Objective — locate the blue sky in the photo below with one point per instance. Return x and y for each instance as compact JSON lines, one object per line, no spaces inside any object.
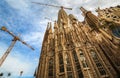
{"x":28,"y":19}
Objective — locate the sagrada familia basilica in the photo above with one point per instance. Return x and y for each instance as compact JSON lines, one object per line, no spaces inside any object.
{"x":87,"y":49}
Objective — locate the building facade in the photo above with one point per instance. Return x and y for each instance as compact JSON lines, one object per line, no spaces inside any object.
{"x":77,"y":49}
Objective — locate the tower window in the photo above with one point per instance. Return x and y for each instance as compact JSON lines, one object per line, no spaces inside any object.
{"x":50,"y":68}
{"x":60,"y":59}
{"x":75,"y":57}
{"x":68,"y":66}
{"x":50,"y":73}
{"x":85,"y":65}
{"x":77,"y":65}
{"x":62,"y":68}
{"x":83,"y":59}
{"x":61,"y":63}
{"x":80,"y":74}
{"x":70,"y":75}
{"x":102,"y":72}
{"x":98,"y":63}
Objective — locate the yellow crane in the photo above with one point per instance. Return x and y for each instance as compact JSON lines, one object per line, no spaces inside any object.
{"x":52,"y":5}
{"x":15,"y":38}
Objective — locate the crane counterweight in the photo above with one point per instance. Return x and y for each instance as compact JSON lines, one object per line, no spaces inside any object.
{"x":3,"y":28}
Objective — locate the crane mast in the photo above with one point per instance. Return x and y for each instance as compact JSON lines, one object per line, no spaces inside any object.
{"x":2,"y":59}
{"x":15,"y":39}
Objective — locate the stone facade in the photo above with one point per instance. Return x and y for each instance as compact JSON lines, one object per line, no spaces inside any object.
{"x":112,"y":13}
{"x":77,"y":49}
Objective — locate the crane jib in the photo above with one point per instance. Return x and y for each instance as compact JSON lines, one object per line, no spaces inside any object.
{"x":16,"y":38}
{"x":52,"y":5}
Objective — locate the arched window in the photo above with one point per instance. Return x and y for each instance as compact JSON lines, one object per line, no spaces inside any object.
{"x":51,"y":68}
{"x":83,"y":59}
{"x":98,"y":62}
{"x":77,"y":64}
{"x":61,"y":63}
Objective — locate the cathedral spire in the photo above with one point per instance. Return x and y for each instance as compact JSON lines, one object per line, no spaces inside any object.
{"x":47,"y":26}
{"x":62,"y":17}
{"x":98,"y":9}
{"x":83,"y":10}
{"x":50,"y":27}
{"x":46,"y":33}
{"x":72,"y":18}
{"x":55,"y":25}
{"x":90,"y":18}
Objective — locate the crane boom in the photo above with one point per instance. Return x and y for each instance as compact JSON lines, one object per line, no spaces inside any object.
{"x":26,"y":44}
{"x":46,"y":4}
{"x":49,"y":19}
{"x":16,"y":38}
{"x":5,"y":29}
{"x":52,"y":5}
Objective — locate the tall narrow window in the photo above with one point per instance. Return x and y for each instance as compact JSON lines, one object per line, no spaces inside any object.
{"x":68,"y":66}
{"x":77,"y":65}
{"x":98,"y":63}
{"x":61,"y":63}
{"x":83,"y":59}
{"x":51,"y":69}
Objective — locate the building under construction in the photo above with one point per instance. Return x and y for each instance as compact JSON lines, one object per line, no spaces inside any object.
{"x":88,"y":49}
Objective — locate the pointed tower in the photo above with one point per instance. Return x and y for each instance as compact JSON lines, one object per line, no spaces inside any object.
{"x":71,"y":50}
{"x":104,"y":42}
{"x":90,"y":18}
{"x":62,"y":17}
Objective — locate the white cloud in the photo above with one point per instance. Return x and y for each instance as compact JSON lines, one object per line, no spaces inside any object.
{"x":87,"y":4}
{"x":35,"y":38}
{"x":18,"y":4}
{"x":15,"y":64}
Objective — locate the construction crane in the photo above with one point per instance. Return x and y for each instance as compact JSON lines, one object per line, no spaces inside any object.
{"x":49,"y":19}
{"x":52,"y":5}
{"x":15,"y":38}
